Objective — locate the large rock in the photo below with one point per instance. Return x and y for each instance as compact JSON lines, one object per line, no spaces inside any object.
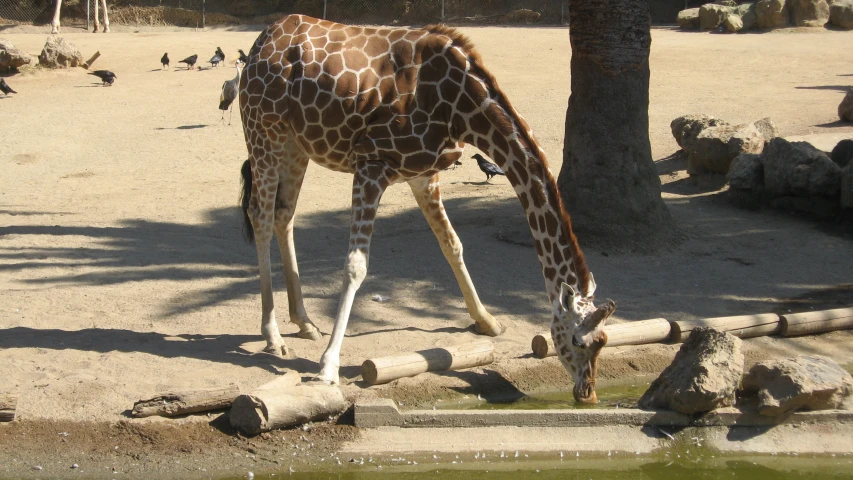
{"x":767,"y":128}
{"x":685,"y":129}
{"x":847,"y":186}
{"x":712,"y":15}
{"x":842,"y":153}
{"x":799,"y":169}
{"x":10,"y":57}
{"x":746,"y":172}
{"x":841,"y":14}
{"x":733,"y":23}
{"x":809,"y":382}
{"x":688,"y":18}
{"x":59,"y":53}
{"x":771,"y":13}
{"x":747,"y":15}
{"x":809,"y":13}
{"x":715,"y":147}
{"x":704,"y":375}
{"x":845,"y":108}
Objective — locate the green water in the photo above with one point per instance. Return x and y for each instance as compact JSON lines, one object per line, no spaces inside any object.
{"x":738,"y":468}
{"x":625,"y":396}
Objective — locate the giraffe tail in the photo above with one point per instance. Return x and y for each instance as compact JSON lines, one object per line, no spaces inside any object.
{"x":245,"y":198}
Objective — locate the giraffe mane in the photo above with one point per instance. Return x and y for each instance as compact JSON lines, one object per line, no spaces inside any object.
{"x":505,"y":124}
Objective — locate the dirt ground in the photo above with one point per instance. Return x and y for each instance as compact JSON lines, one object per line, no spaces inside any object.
{"x":124,"y":272}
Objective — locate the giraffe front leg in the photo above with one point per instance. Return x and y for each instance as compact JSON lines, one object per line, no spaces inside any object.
{"x":296,"y":304}
{"x":369,"y":184}
{"x":428,"y":196}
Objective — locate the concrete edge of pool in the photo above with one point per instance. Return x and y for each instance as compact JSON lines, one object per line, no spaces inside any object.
{"x":386,"y":429}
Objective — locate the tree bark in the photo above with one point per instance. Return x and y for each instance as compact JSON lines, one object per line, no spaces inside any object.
{"x":608,"y":180}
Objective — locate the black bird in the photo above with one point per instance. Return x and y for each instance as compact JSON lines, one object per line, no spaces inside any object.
{"x":5,"y":88}
{"x":220,"y":53}
{"x":487,"y":167}
{"x":190,"y":61}
{"x":243,"y":57}
{"x":214,"y":60}
{"x":165,"y":60}
{"x":106,"y":76}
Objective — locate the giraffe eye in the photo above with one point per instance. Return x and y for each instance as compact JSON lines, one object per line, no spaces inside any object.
{"x":576,"y":343}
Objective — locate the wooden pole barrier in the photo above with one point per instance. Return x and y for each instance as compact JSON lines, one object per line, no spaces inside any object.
{"x":90,"y":61}
{"x":816,"y":322}
{"x":284,"y":402}
{"x":170,"y":404}
{"x":630,"y":333}
{"x":743,"y":326}
{"x":384,"y":369}
{"x":8,"y":406}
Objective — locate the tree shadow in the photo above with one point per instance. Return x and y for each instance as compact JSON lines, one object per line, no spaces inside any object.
{"x":182,"y":127}
{"x":839,"y":88}
{"x":835,"y":124}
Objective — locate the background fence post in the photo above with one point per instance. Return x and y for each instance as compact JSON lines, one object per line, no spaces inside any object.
{"x":324,"y":9}
{"x":442,"y":11}
{"x":88,"y":14}
{"x":203,"y":12}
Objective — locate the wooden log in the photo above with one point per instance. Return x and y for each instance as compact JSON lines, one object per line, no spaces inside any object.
{"x":816,"y":322}
{"x":170,"y":404}
{"x":743,"y":326}
{"x":630,"y":333}
{"x":8,"y":406}
{"x":88,"y":63}
{"x":384,"y":369}
{"x":284,"y":402}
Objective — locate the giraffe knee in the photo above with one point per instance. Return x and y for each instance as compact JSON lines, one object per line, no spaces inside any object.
{"x":356,"y":267}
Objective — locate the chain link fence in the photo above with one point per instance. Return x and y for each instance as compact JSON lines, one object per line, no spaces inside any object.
{"x":206,"y":13}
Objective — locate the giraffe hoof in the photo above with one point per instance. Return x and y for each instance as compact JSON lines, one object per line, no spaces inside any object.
{"x":310,"y":333}
{"x":490,"y":330}
{"x":277,"y":350}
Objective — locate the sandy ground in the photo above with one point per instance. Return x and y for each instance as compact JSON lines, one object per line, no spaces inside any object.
{"x":124,"y":272}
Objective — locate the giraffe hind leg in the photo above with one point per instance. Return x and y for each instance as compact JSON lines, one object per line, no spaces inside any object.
{"x":292,"y":169}
{"x":260,"y":211}
{"x":428,"y":196}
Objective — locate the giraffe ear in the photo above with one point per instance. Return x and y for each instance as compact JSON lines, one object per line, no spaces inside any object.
{"x":590,"y":286}
{"x":567,"y":296}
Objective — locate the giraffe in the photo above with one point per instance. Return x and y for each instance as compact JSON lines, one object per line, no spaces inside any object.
{"x":54,"y":24}
{"x":389,"y":106}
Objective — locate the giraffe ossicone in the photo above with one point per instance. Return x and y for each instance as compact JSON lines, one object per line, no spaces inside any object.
{"x":395,"y":105}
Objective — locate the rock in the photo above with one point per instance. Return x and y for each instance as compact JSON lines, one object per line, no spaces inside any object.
{"x":10,"y":57}
{"x":58,"y":53}
{"x":799,"y":169}
{"x":809,"y":13}
{"x":712,"y":15}
{"x":686,"y":128}
{"x":842,"y":153}
{"x":688,"y":18}
{"x":845,"y":108}
{"x":715,"y":147}
{"x":810,"y":382}
{"x":847,"y":186}
{"x":704,"y":375}
{"x":771,"y":13}
{"x":750,"y":20}
{"x":841,"y":14}
{"x":746,"y":172}
{"x":733,"y":23}
{"x":767,"y":128}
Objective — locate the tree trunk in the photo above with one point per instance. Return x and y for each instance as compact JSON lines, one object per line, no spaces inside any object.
{"x":608,"y":181}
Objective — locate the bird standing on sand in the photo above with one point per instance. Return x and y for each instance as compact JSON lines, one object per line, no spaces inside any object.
{"x":215,"y":59}
{"x":106,"y":76}
{"x":243,"y":57}
{"x":190,"y":61}
{"x":165,"y":60}
{"x":220,"y":53}
{"x":229,"y":94}
{"x":5,"y":88}
{"x":487,"y":167}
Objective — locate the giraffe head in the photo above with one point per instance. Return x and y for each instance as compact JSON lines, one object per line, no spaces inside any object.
{"x":585,"y":323}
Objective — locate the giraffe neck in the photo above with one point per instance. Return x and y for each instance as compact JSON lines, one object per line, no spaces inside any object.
{"x":509,"y":142}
